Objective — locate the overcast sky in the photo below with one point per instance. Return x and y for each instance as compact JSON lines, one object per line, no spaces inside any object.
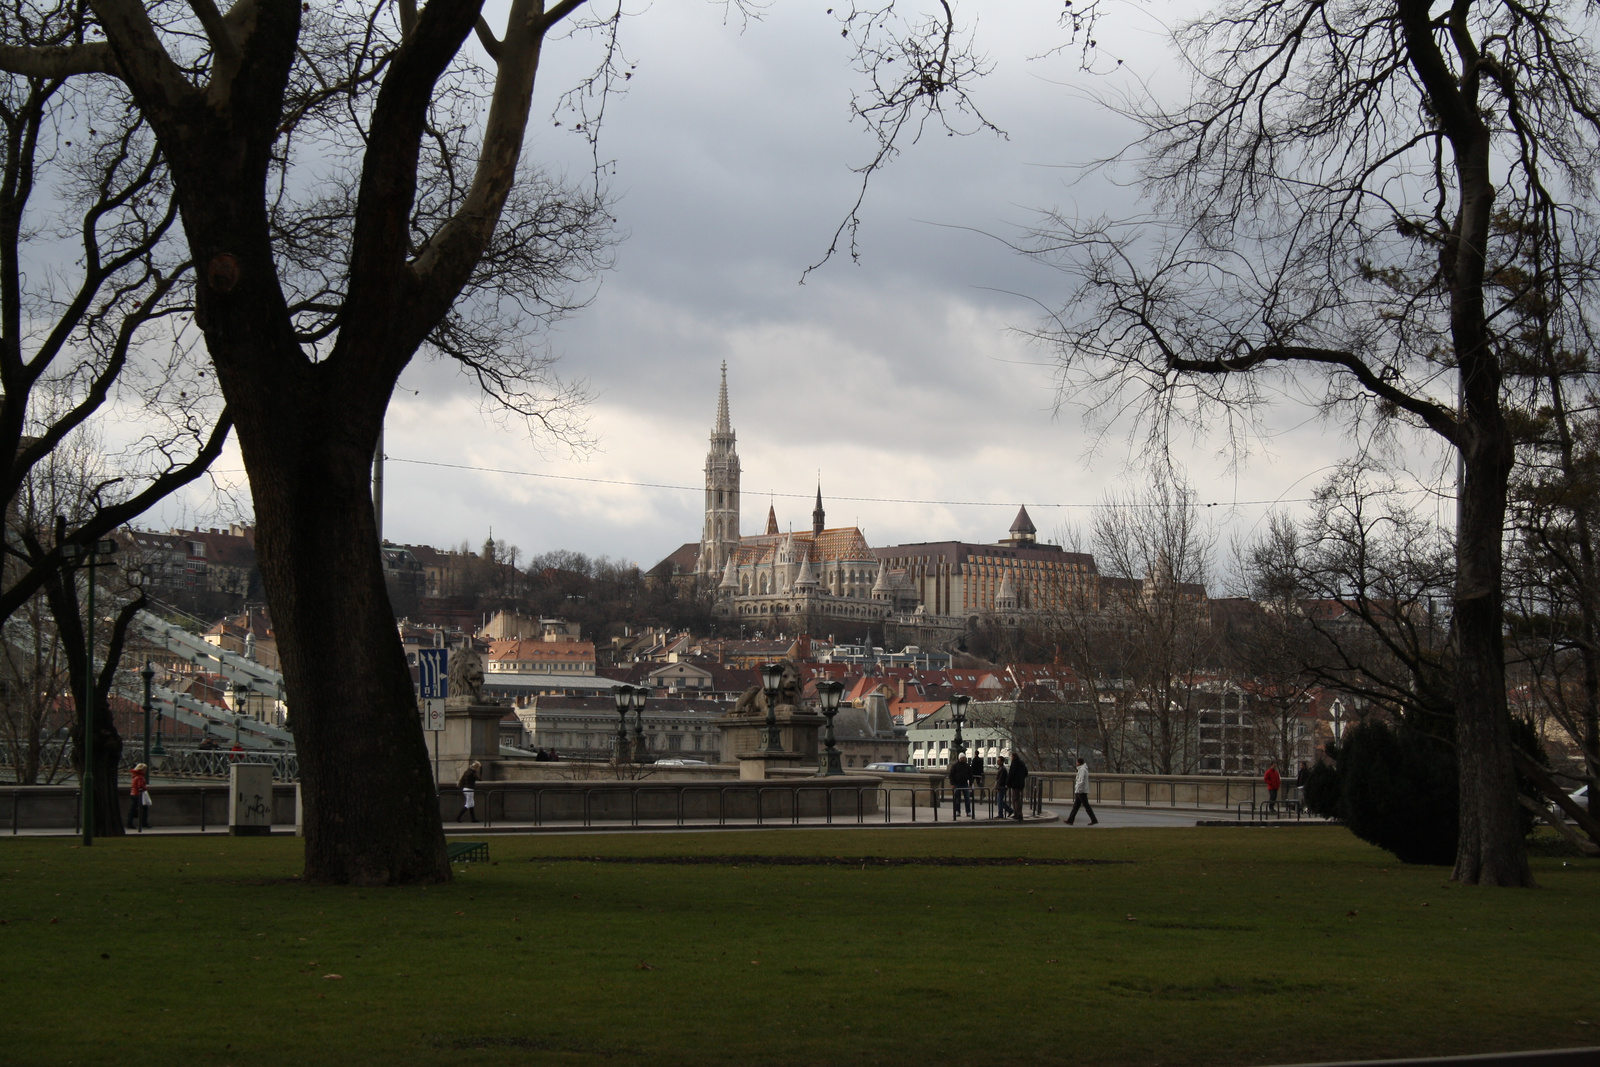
{"x":904,"y":377}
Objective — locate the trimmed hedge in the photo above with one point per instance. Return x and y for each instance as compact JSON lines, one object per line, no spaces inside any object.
{"x":1394,"y":787}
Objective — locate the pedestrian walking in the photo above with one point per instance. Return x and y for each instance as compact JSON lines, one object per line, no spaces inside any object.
{"x":1016,"y":779}
{"x":469,"y":791}
{"x":139,"y":809}
{"x":961,"y":787}
{"x":1274,"y":781}
{"x":977,"y":772}
{"x":1080,"y":794}
{"x":1001,"y":793}
{"x":1302,"y":776}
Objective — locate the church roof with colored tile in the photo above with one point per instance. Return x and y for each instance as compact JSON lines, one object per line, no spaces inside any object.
{"x":841,"y":544}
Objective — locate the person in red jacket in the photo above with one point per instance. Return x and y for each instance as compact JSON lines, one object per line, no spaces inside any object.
{"x":1274,"y":781}
{"x":139,"y":810}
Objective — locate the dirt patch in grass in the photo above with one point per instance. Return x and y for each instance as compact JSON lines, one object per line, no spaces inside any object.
{"x":480,"y":1042}
{"x":1220,"y":988}
{"x":836,"y":861}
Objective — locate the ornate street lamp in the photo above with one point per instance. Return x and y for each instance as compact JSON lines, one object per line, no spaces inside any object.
{"x":159,"y":749}
{"x":771,"y":684}
{"x":148,"y":674}
{"x":828,"y":696}
{"x":958,"y":715}
{"x":623,"y":695}
{"x":640,"y":749}
{"x":90,"y":555}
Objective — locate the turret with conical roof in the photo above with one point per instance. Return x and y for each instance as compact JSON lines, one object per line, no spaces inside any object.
{"x":1022,"y":529}
{"x":807,"y":578}
{"x":880,"y":588}
{"x":1005,"y":598}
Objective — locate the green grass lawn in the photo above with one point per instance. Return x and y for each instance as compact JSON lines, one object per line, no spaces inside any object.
{"x":1202,"y":946}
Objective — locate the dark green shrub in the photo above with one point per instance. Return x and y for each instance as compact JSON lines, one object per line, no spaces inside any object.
{"x":1394,"y":787}
{"x":1322,"y":787}
{"x":1397,"y":787}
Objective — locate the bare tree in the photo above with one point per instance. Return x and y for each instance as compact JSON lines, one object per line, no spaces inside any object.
{"x":34,"y":693}
{"x":1322,"y":211}
{"x":1265,"y":646}
{"x":1138,"y":643}
{"x":315,"y":289}
{"x":1553,"y":570}
{"x":1361,"y":590}
{"x":63,"y":491}
{"x":92,"y":283}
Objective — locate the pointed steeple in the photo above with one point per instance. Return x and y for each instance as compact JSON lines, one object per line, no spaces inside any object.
{"x":720,"y":534}
{"x":1005,"y":599}
{"x":730,"y":575}
{"x":817,"y":514}
{"x":880,"y":588}
{"x":723,"y":425}
{"x":807,"y":578}
{"x":772,"y":520}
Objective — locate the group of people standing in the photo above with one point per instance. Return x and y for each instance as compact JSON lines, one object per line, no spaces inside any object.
{"x":1009,"y":780}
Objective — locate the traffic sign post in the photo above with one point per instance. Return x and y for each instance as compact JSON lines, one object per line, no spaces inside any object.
{"x":433,"y":669}
{"x":433,"y":714}
{"x":433,"y":666}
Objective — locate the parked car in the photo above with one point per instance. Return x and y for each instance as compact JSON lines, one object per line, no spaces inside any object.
{"x":682,"y":763}
{"x":892,"y":768}
{"x":1580,"y":797}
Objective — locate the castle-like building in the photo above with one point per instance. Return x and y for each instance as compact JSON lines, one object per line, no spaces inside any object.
{"x":832,"y":582}
{"x":823,"y":581}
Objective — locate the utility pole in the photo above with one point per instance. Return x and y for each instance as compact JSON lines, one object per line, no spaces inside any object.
{"x":377,"y":484}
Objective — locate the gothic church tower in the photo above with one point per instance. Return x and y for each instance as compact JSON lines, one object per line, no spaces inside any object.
{"x":720,"y":537}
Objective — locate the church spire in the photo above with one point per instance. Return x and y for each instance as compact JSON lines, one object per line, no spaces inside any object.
{"x":723,"y":425}
{"x":772,"y":520}
{"x":817,"y":513}
{"x":720,"y":536}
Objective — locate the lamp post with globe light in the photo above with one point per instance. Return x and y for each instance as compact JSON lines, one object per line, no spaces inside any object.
{"x":771,"y":685}
{"x":623,"y":695}
{"x":828,"y":696}
{"x":641,"y":749}
{"x":958,"y":715}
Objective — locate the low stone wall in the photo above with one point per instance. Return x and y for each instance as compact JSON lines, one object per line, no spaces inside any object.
{"x":56,"y":807}
{"x":1163,"y":790}
{"x":651,"y":801}
{"x":524,"y":770}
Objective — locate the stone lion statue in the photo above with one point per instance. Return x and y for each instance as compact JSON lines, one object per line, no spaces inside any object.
{"x":754,"y":701}
{"x":466,"y":676}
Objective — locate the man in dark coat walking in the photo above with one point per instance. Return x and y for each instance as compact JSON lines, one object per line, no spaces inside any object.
{"x":1016,"y":778}
{"x":1001,"y":792}
{"x":961,"y":786}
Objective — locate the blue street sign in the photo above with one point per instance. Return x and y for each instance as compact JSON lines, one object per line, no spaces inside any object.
{"x":433,"y":666}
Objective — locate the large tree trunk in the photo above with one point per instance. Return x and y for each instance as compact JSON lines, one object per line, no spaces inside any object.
{"x":107,"y":803}
{"x":370,"y":807}
{"x":307,"y":434}
{"x":1491,"y":850}
{"x":105,"y":806}
{"x":307,"y":431}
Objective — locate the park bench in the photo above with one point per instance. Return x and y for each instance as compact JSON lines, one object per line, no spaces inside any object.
{"x":468,"y":851}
